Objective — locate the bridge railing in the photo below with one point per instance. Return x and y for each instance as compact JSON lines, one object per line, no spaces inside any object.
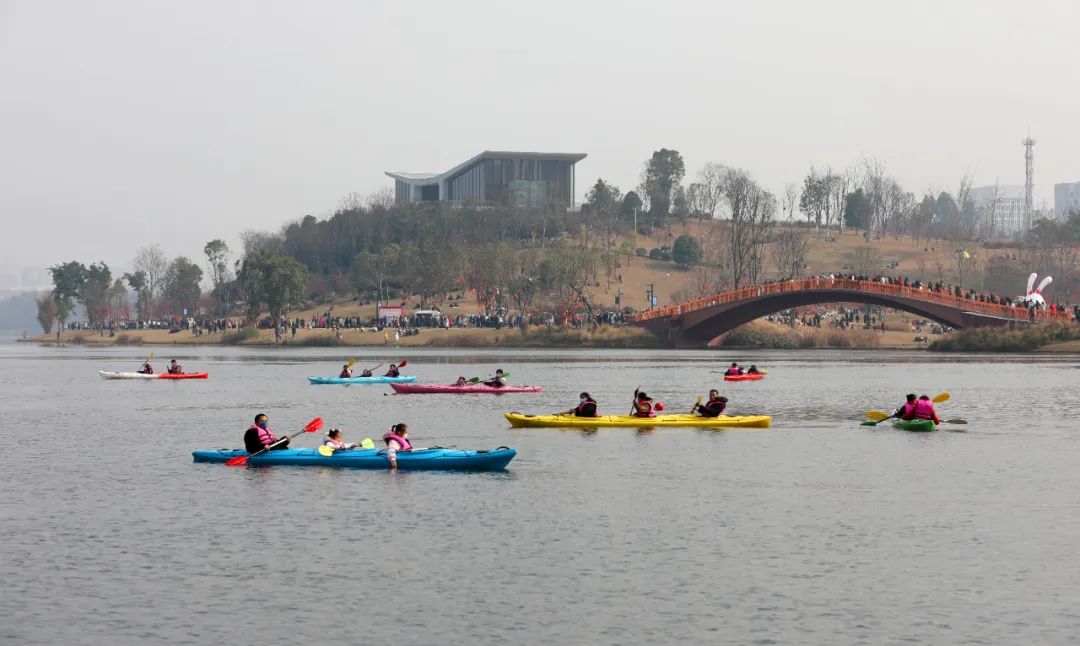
{"x":847,"y":284}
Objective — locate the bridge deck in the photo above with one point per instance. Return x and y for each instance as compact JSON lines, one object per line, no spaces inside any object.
{"x":866,"y":286}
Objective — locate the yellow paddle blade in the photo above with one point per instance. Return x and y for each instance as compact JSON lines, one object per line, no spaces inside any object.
{"x":877,"y":415}
{"x":942,"y":397}
{"x":326,"y":450}
{"x":150,"y":356}
{"x":352,"y":361}
{"x":367,"y":443}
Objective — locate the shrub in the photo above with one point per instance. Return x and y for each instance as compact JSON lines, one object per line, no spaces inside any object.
{"x":240,"y":336}
{"x":1021,"y":337}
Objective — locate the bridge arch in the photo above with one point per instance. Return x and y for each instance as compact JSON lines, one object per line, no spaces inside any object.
{"x":697,"y":322}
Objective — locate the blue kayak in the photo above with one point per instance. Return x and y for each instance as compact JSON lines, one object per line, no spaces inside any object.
{"x":426,"y":459}
{"x":362,"y":380}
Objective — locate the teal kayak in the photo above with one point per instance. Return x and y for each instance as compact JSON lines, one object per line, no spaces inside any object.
{"x":433,"y":459}
{"x":917,"y":425}
{"x":363,"y":380}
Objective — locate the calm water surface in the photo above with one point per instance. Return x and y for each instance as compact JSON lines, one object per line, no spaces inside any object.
{"x":816,"y":531}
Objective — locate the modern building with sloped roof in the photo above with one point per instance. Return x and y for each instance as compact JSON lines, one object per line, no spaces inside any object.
{"x":521,"y":179}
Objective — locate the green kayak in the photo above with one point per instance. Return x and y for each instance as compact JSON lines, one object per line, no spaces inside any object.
{"x":918,"y":425}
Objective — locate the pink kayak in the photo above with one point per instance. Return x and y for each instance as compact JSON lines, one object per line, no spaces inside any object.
{"x":470,"y":389}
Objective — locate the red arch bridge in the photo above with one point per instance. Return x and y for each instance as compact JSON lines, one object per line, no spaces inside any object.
{"x":697,"y":322}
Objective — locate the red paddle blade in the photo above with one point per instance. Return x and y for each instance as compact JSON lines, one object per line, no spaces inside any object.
{"x":313,"y":425}
{"x":238,"y":461}
{"x":404,"y":362}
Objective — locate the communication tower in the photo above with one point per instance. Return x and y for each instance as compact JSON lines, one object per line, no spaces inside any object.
{"x":1029,"y":179}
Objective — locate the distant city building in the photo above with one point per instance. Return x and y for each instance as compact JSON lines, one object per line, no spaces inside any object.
{"x":35,"y":277}
{"x":1008,"y":212}
{"x":1066,"y":199}
{"x":495,"y":177}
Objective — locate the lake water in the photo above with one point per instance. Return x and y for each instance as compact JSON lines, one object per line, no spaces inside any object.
{"x":816,"y":531}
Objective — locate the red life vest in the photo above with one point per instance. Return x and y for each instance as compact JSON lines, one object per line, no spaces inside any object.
{"x":345,"y":374}
{"x":924,"y":409}
{"x":733,"y":371}
{"x":402,"y":442}
{"x":647,"y":413}
{"x":586,"y":408}
{"x":713,"y":408}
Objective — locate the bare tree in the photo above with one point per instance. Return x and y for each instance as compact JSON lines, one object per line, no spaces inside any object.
{"x":813,"y":198}
{"x":836,"y":196}
{"x":752,"y":214}
{"x":865,"y":261}
{"x":874,"y":182}
{"x":965,"y":205}
{"x":382,"y":198}
{"x":988,"y":210}
{"x":152,"y":262}
{"x":789,"y":252}
{"x":351,"y":202}
{"x":710,"y":193}
{"x":791,"y":201}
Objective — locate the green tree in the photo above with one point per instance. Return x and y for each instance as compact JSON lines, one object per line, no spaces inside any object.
{"x":180,"y":289}
{"x":857,"y":210}
{"x":137,"y":282}
{"x":663,"y":173}
{"x":94,"y":293}
{"x":631,"y":204}
{"x":605,"y":202}
{"x":686,"y":251}
{"x":46,"y":312}
{"x":217,"y":259}
{"x":68,"y":280}
{"x":274,"y":280}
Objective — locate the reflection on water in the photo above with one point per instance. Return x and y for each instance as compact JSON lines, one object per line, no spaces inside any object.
{"x":816,"y":531}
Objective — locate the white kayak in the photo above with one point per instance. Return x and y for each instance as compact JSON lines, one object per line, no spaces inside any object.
{"x":160,"y":375}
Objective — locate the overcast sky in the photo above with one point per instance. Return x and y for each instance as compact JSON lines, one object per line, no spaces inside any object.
{"x":134,"y":122}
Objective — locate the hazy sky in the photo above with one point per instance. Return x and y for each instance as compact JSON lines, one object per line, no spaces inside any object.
{"x":126,"y":123}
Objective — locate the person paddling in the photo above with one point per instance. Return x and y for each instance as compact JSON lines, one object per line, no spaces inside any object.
{"x":393,"y":371}
{"x":175,"y":368}
{"x":335,"y":441}
{"x":586,"y":408}
{"x":907,"y":407}
{"x":643,"y":406}
{"x":712,"y":408}
{"x":923,"y":409}
{"x":734,"y":369}
{"x":346,"y":372}
{"x":396,"y":440}
{"x":461,"y":381}
{"x":753,"y":370}
{"x":498,"y":381}
{"x":146,"y":369}
{"x":259,"y":436}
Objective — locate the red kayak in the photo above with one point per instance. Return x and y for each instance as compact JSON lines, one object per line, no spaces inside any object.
{"x":754,"y":377}
{"x":469,"y":389}
{"x":184,"y":375}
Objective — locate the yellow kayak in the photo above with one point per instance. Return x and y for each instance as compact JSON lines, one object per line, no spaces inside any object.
{"x":724,"y":421}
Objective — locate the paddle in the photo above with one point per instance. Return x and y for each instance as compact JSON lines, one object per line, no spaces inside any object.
{"x":148,"y":358}
{"x":327,"y":451}
{"x":241,"y":460}
{"x":696,"y":405}
{"x":633,"y":404}
{"x":476,"y":380}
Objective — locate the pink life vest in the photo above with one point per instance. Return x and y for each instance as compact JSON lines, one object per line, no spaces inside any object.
{"x":923,"y":409}
{"x":266,"y":436}
{"x":402,"y":442}
{"x":648,"y":413}
{"x":732,"y":371}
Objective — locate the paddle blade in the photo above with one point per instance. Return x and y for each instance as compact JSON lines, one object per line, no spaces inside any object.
{"x":941,"y":397}
{"x":325,"y":451}
{"x":367,"y":443}
{"x":869,"y":423}
{"x":313,"y":425}
{"x":238,"y":461}
{"x":954,"y":421}
{"x":352,"y":361}
{"x":877,"y":415}
{"x":474,"y":380}
{"x":403,"y":363}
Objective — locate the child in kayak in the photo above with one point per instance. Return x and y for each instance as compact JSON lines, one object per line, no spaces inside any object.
{"x":714,"y":407}
{"x":753,"y":370}
{"x":923,"y":409}
{"x":587,"y":407}
{"x":396,"y":440}
{"x":906,"y":408}
{"x":498,"y":381}
{"x":346,"y":372}
{"x":643,"y":406}
{"x":334,"y":441}
{"x":393,"y":371}
{"x":259,"y":436}
{"x":461,"y":381}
